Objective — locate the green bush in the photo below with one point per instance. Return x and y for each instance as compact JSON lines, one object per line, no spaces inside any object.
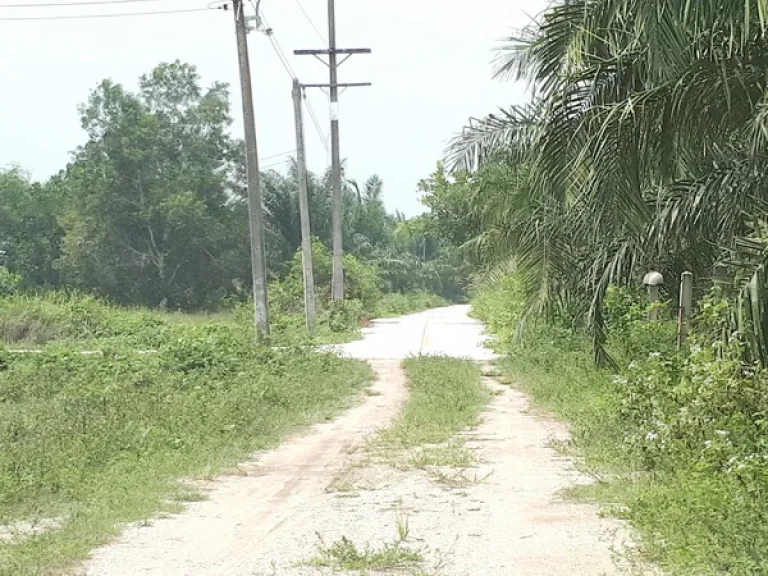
{"x":500,"y":305}
{"x":59,"y":316}
{"x":397,"y":304}
{"x":9,"y":282}
{"x":630,"y":335}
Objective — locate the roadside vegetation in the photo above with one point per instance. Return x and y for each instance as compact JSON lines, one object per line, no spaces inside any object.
{"x":91,"y":441}
{"x":127,"y":356}
{"x":677,"y":438}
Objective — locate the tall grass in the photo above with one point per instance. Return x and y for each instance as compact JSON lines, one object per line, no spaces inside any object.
{"x":446,"y":396}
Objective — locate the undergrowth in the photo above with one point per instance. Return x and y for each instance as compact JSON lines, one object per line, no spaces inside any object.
{"x":446,"y":397}
{"x":397,"y":304}
{"x":97,"y":440}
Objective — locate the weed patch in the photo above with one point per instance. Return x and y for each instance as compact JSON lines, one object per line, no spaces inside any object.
{"x":346,"y":555}
{"x":447,"y":396}
{"x":693,"y":518}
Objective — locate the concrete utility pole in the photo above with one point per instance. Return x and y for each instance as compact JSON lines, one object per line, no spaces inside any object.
{"x":306,"y":233}
{"x":258,"y":259}
{"x":337,"y":288}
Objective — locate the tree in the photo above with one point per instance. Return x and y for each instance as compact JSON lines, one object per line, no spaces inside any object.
{"x":150,"y":218}
{"x":645,"y":146}
{"x":29,"y":233}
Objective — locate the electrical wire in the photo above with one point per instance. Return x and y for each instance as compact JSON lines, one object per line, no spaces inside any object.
{"x":273,"y":165}
{"x":311,"y":22}
{"x":78,"y":3}
{"x":270,"y":33}
{"x":323,"y":137}
{"x":93,"y":16}
{"x":278,"y":155}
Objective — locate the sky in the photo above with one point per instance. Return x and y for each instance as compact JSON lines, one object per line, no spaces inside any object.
{"x":430,"y":66}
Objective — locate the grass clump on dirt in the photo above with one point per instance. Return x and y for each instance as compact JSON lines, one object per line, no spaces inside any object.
{"x":96,"y":440}
{"x":344,"y":554}
{"x":446,"y":397}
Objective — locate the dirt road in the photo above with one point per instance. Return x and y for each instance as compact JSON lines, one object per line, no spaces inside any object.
{"x":503,"y":517}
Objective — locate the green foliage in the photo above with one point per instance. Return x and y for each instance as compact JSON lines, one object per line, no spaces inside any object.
{"x":31,"y":235}
{"x":499,"y":304}
{"x":9,"y":283}
{"x":101,"y":438}
{"x":644,"y":149}
{"x":149,"y":217}
{"x":344,"y":314}
{"x":630,"y":336}
{"x":399,"y":304}
{"x":56,"y":316}
{"x":152,"y":212}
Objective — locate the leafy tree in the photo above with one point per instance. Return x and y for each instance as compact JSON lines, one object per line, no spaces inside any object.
{"x":29,"y":233}
{"x":150,"y":217}
{"x":644,"y":148}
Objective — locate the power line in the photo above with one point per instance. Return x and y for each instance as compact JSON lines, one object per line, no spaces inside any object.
{"x":79,"y":3}
{"x":270,"y":33}
{"x":277,"y":155}
{"x":311,"y":22}
{"x":94,"y":16}
{"x":323,"y":137}
{"x":274,"y":165}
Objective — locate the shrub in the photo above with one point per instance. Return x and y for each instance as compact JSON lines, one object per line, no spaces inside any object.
{"x":500,"y":305}
{"x":9,"y":282}
{"x":397,"y":304}
{"x":630,"y":335}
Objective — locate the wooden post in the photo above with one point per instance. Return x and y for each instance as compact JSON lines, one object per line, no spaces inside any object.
{"x":686,"y":303}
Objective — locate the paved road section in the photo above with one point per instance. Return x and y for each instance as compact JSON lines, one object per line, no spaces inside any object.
{"x":442,"y":331}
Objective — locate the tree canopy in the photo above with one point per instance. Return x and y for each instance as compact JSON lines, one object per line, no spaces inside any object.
{"x":643,"y":148}
{"x":152,"y":208}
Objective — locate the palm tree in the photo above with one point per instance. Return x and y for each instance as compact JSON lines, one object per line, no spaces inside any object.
{"x":645,"y":146}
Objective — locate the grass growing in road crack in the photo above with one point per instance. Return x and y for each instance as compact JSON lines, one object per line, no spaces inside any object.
{"x":446,"y":397}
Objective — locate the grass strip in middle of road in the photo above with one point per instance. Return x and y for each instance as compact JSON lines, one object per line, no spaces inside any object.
{"x":446,"y":397}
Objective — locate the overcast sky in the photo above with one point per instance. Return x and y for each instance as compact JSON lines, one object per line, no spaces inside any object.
{"x":430,"y":68}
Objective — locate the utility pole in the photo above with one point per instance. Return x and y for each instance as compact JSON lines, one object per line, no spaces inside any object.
{"x":337,"y":288}
{"x":306,"y":233}
{"x":258,"y":259}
